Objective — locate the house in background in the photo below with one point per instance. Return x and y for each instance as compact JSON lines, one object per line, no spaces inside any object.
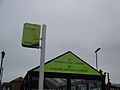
{"x":13,"y":85}
{"x":6,"y":86}
{"x":115,"y":87}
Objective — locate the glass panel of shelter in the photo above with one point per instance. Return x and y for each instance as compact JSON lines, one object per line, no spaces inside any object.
{"x":76,"y":84}
{"x":55,"y":84}
{"x":80,"y":84}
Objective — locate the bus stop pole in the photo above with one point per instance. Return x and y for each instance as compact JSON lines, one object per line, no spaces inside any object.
{"x":42,"y":58}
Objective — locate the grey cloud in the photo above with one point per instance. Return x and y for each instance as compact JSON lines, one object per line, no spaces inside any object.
{"x":77,"y":25}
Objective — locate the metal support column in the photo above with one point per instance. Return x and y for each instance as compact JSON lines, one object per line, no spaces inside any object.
{"x":68,"y":83}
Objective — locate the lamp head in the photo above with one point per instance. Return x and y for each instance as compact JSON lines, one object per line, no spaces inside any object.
{"x":3,"y":54}
{"x":97,"y":50}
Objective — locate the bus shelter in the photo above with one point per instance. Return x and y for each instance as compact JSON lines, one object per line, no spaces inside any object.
{"x":65,"y":72}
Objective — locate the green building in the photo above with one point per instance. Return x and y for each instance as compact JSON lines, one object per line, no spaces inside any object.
{"x":65,"y":72}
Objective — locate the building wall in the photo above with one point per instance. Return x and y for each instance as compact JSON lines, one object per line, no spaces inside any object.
{"x":15,"y":85}
{"x":114,"y":88}
{"x":6,"y":88}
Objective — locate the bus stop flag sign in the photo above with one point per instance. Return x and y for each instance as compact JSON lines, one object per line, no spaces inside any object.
{"x":31,"y":35}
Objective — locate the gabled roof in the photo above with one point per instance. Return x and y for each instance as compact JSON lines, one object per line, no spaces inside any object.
{"x":19,"y":79}
{"x":68,"y":63}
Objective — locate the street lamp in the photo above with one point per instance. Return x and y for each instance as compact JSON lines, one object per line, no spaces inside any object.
{"x":1,"y":68}
{"x":96,"y":57}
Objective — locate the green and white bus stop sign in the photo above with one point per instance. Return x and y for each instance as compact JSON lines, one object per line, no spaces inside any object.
{"x":31,"y":35}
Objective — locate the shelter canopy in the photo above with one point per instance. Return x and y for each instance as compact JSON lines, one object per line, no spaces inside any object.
{"x":69,"y":63}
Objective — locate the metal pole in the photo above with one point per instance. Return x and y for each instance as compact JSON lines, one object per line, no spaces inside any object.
{"x":1,"y":74}
{"x":1,"y":69}
{"x":96,"y":57}
{"x":96,"y":61}
{"x":42,"y":58}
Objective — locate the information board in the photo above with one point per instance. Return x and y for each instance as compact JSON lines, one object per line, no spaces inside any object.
{"x":31,"y":35}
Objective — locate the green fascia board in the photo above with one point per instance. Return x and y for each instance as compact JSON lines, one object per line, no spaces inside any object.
{"x":69,"y":63}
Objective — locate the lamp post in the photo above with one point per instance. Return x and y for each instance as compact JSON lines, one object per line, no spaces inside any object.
{"x":1,"y":68}
{"x":96,"y":57}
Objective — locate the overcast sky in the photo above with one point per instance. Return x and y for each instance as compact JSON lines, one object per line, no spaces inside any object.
{"x":80,"y":26}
